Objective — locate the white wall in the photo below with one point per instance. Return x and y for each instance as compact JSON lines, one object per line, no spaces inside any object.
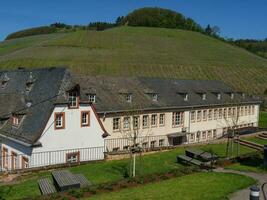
{"x":56,"y":143}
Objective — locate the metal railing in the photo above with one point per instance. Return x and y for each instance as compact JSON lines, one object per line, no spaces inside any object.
{"x":148,"y":142}
{"x":12,"y":161}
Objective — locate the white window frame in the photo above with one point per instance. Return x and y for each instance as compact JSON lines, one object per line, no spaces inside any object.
{"x":73,"y":99}
{"x":162,"y":119}
{"x":116,"y":123}
{"x":92,"y":98}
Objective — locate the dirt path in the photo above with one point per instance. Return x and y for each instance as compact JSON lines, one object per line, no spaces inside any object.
{"x":244,"y":194}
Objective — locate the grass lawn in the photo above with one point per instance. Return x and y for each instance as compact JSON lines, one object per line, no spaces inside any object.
{"x":263,"y":120}
{"x":112,"y":170}
{"x":257,"y":140}
{"x":197,"y":186}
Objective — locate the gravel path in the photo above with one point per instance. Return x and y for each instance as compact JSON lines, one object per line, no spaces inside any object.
{"x":244,"y":194}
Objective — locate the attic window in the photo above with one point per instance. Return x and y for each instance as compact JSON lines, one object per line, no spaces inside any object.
{"x":128,"y":98}
{"x":15,"y":120}
{"x":232,"y":95}
{"x":219,"y":96}
{"x":185,"y":95}
{"x":92,"y":98}
{"x":30,"y":81}
{"x":4,"y":80}
{"x":154,"y":97}
{"x":243,"y":95}
{"x":73,"y":99}
{"x":204,"y":96}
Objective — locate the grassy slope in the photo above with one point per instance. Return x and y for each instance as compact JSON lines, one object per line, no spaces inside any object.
{"x":111,"y":171}
{"x":263,"y":120}
{"x":138,"y":51}
{"x":196,"y":186}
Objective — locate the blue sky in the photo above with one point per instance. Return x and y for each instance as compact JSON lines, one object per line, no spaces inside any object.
{"x":236,"y":18}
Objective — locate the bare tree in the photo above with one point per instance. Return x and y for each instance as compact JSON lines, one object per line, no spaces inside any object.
{"x":135,"y":128}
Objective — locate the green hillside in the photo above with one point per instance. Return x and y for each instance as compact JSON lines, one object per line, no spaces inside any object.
{"x":138,"y":51}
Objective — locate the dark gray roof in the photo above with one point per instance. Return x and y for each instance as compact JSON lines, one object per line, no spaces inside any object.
{"x":110,"y":93}
{"x":49,"y":85}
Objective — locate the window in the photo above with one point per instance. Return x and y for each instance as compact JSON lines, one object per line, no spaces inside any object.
{"x":204,"y":96}
{"x":210,"y":115}
{"x":161,"y":142}
{"x":85,"y":118}
{"x":153,"y":144}
{"x":59,"y":120}
{"x":116,"y":124}
{"x":24,"y":162}
{"x":92,"y":98}
{"x":204,"y":115}
{"x":15,"y":120}
{"x":128,"y":98}
{"x":126,"y":123}
{"x":203,"y":135}
{"x":145,"y":145}
{"x":193,"y":116}
{"x":219,"y":96}
{"x":232,"y":95}
{"x":253,"y":110}
{"x":136,"y":122}
{"x":73,"y":157}
{"x":145,"y":121}
{"x":241,"y":111}
{"x":185,"y":96}
{"x":126,"y":147}
{"x":73,"y":99}
{"x":234,"y":112}
{"x":192,"y":137}
{"x":161,"y":119}
{"x":177,"y":118}
{"x":246,"y":110}
{"x":154,"y":120}
{"x":249,"y":110}
{"x":214,"y":133}
{"x":154,"y":97}
{"x":199,"y":113}
{"x":229,"y":112}
{"x":5,"y":157}
{"x":14,"y":160}
{"x":220,"y":113}
{"x":215,"y":114}
{"x":225,"y":113}
{"x":209,"y":134}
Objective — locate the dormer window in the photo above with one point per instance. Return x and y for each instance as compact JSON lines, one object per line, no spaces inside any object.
{"x":92,"y":98}
{"x":154,"y":97}
{"x":243,"y":95}
{"x":204,"y":96}
{"x":73,"y":99}
{"x":15,"y":120}
{"x":232,"y":95}
{"x":128,"y":98}
{"x":185,"y":95}
{"x":29,"y":83}
{"x":4,"y":80}
{"x":219,"y":96}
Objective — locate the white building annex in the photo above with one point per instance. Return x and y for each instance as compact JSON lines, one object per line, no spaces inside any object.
{"x":53,"y":117}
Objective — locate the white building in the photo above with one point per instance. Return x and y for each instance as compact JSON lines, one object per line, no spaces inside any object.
{"x":43,"y":122}
{"x":49,"y":116}
{"x":166,"y":112}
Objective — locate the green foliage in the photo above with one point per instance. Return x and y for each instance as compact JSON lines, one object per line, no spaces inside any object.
{"x":263,"y":120}
{"x":196,"y":186}
{"x":100,"y":26}
{"x":159,"y":17}
{"x":32,"y":31}
{"x":258,"y":47}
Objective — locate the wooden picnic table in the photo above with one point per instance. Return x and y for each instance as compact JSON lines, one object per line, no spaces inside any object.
{"x":198,"y":153}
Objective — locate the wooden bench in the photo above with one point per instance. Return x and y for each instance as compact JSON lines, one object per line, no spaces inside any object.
{"x":65,"y":180}
{"x":46,"y":187}
{"x":188,"y":160}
